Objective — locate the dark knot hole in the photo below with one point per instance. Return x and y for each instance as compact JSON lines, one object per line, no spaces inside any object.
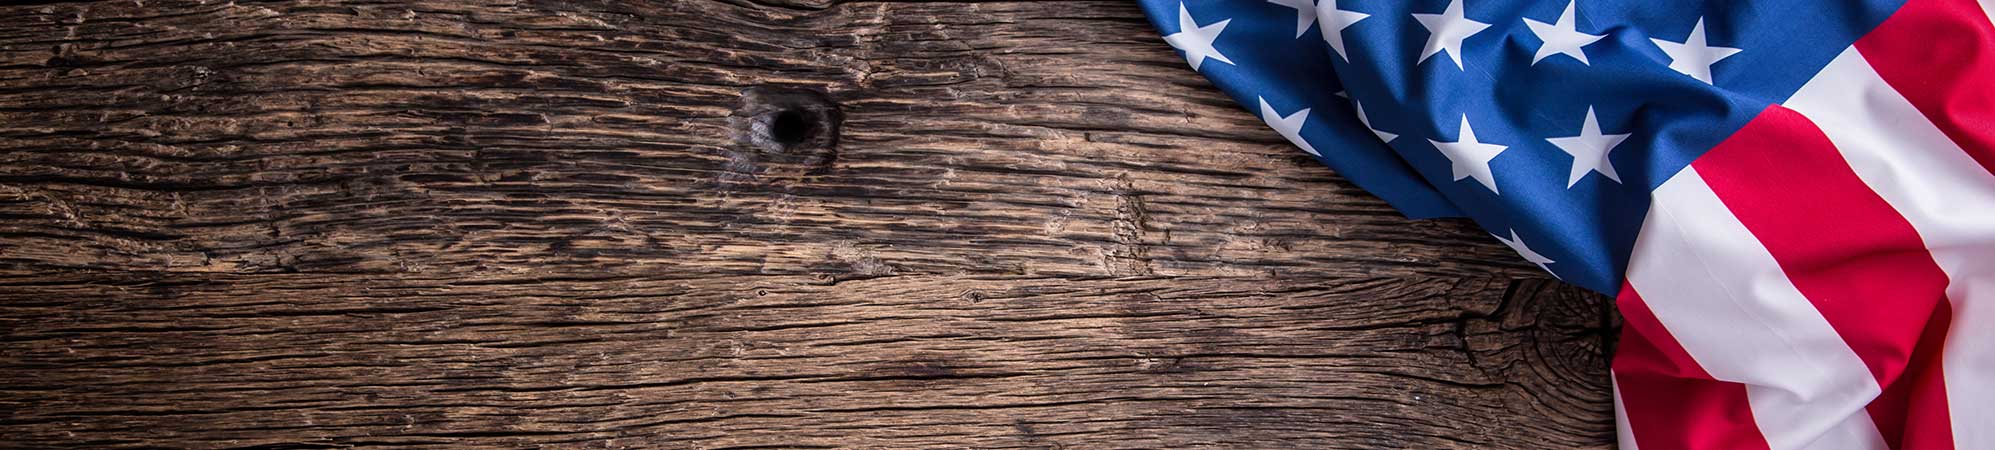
{"x":784,"y":120}
{"x":790,"y":127}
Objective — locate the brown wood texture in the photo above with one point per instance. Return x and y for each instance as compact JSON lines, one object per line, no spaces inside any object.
{"x":236,"y":224}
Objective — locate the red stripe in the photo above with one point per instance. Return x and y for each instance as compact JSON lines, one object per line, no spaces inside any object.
{"x":1927,"y":424}
{"x":1857,"y":260}
{"x":1941,"y":55}
{"x":1672,"y":403}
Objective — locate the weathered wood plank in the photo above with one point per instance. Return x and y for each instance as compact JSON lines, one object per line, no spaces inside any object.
{"x":537,"y":223}
{"x":912,"y":361}
{"x":1021,"y":138}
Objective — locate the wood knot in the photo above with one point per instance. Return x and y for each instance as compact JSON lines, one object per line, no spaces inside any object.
{"x":787,"y":121}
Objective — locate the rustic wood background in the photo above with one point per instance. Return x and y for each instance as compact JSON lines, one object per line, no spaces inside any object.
{"x":526,"y":223}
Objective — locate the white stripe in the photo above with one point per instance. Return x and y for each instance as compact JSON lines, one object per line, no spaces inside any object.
{"x":1948,"y":198}
{"x":1621,"y":431}
{"x":1988,"y":9}
{"x":1724,"y":297}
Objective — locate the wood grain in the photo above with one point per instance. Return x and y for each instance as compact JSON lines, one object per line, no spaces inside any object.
{"x":911,"y":361}
{"x":305,"y":224}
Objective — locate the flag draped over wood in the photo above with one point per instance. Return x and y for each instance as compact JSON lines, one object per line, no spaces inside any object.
{"x":1792,"y":200}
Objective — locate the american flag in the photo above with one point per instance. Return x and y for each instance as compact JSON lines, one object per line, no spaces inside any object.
{"x":1793,"y":201}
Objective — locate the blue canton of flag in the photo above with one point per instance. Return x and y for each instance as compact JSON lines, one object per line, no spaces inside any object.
{"x":1547,"y":123}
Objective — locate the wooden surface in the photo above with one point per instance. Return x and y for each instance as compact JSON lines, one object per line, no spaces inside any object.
{"x":322,"y":225}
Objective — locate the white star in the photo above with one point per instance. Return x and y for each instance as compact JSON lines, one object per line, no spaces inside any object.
{"x":1446,"y":32}
{"x":1290,"y":127}
{"x":1382,"y":136}
{"x":1470,"y":157}
{"x":1334,"y":22}
{"x":1196,"y":41}
{"x":1694,"y":56}
{"x":1524,"y":250}
{"x":1305,"y":13}
{"x":1589,"y":150}
{"x":1562,"y":38}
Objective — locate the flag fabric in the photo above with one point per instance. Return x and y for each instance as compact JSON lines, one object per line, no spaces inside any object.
{"x":1792,"y":201}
